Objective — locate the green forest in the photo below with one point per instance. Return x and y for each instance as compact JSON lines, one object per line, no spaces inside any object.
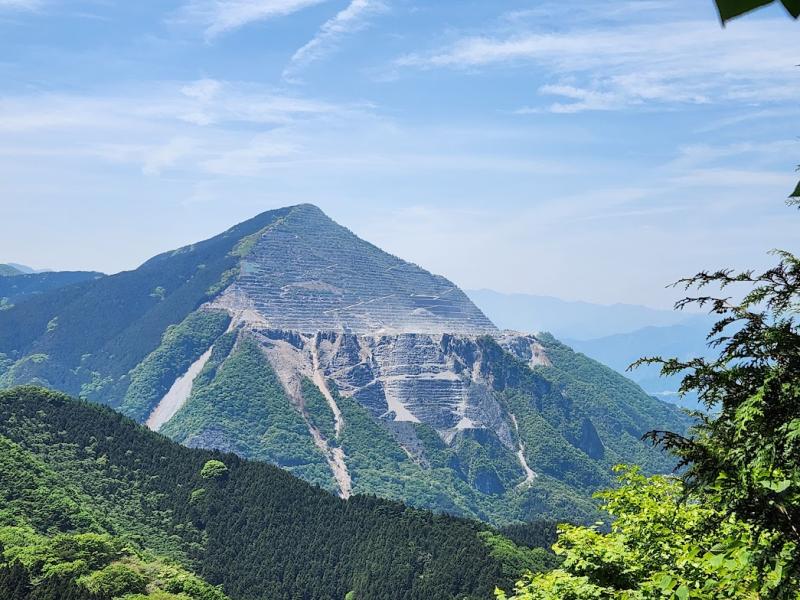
{"x":95,"y":506}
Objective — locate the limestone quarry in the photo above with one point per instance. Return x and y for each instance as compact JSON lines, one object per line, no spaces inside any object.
{"x":399,"y":340}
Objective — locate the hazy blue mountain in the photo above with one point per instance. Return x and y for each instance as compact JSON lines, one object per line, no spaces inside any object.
{"x":17,"y":286}
{"x":288,"y":339}
{"x":684,"y":341}
{"x":571,"y":320}
{"x":27,"y":269}
{"x":9,"y":270}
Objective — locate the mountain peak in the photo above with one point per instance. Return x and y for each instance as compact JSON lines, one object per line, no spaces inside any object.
{"x":7,"y":270}
{"x":304,"y":272}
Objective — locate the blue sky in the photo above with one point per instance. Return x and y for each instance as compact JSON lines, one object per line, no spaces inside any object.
{"x":590,"y":149}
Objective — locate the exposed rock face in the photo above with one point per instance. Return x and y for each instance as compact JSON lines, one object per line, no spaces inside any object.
{"x":417,"y":378}
{"x":398,"y":384}
{"x":306,"y":273}
{"x":396,"y":338}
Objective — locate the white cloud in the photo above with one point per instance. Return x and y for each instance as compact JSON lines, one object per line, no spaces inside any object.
{"x":641,"y":64}
{"x":201,"y":103}
{"x":210,"y":126}
{"x":719,"y":178}
{"x":202,"y":89}
{"x":253,"y":159}
{"x":221,"y":16}
{"x":349,"y":20}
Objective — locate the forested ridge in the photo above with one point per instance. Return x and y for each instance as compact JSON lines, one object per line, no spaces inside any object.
{"x":71,"y":468}
{"x":17,"y":287}
{"x":84,"y":339}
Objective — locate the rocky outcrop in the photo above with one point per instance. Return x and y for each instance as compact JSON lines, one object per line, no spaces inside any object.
{"x":419,"y":378}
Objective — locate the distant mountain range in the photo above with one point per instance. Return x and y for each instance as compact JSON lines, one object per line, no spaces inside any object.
{"x":615,"y":335}
{"x":18,"y":282}
{"x":290,"y":340}
{"x":24,"y":268}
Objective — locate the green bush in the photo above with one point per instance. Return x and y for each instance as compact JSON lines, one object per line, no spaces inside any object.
{"x":117,"y":579}
{"x":213,"y":469}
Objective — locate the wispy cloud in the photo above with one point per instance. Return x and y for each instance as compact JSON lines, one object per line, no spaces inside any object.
{"x":221,"y":16}
{"x":205,"y":102}
{"x":20,"y":4}
{"x":210,"y":126}
{"x":641,"y":64}
{"x":349,"y":20}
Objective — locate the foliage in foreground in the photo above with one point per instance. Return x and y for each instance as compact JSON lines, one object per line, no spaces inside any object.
{"x":730,"y":527}
{"x":68,"y":467}
{"x":662,"y":546}
{"x":729,"y":9}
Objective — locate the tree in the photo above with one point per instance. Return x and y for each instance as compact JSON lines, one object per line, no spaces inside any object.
{"x":660,"y":546}
{"x":730,"y":526}
{"x":747,"y":455}
{"x":213,"y":469}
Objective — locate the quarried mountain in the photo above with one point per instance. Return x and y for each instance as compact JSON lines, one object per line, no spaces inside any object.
{"x":289,"y":339}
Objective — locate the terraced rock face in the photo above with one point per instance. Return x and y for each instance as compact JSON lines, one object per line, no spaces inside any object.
{"x":306,"y":273}
{"x":406,"y":389}
{"x":400,"y":341}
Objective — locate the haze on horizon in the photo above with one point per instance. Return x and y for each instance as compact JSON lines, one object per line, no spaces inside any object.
{"x":555,"y":148}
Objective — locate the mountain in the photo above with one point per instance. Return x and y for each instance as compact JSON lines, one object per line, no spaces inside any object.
{"x":9,"y":271}
{"x":615,"y":335}
{"x":94,"y":507}
{"x":290,"y":340}
{"x":619,"y":351}
{"x":25,"y":268}
{"x":17,"y":285}
{"x":573,"y":320}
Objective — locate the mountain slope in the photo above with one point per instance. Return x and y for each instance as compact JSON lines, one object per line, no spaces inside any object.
{"x":9,"y":271}
{"x":619,"y":351}
{"x":73,"y":467}
{"x":18,"y":287}
{"x":87,"y":337}
{"x":289,"y":339}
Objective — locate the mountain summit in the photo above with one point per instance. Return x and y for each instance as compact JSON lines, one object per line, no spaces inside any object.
{"x":307,"y":273}
{"x":290,"y":340}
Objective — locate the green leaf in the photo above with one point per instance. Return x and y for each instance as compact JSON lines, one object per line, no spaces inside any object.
{"x":666,"y":583}
{"x":728,"y":9}
{"x":777,"y":486}
{"x":682,"y":592}
{"x":793,"y":6}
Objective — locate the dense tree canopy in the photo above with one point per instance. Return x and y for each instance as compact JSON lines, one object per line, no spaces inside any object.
{"x":68,"y":468}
